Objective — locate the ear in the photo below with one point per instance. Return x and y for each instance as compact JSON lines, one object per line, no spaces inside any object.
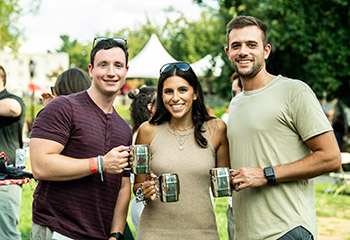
{"x":195,"y":96}
{"x":226,"y":50}
{"x":149,"y":107}
{"x":267,"y":51}
{"x":90,"y":69}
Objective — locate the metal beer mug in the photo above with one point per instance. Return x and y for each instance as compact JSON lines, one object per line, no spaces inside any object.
{"x":169,"y":187}
{"x":220,"y":182}
{"x":140,"y":159}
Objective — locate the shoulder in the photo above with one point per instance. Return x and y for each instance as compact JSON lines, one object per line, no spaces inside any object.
{"x":146,"y":133}
{"x":293,"y":84}
{"x":216,"y":125}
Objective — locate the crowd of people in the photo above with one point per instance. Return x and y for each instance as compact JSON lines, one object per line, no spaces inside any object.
{"x":275,"y":139}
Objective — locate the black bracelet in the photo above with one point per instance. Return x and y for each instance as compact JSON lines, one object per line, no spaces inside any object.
{"x":117,"y":235}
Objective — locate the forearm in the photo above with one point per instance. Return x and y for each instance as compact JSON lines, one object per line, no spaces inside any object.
{"x":121,"y":207}
{"x":311,"y":166}
{"x":325,"y":157}
{"x":56,"y":167}
{"x":48,"y":164}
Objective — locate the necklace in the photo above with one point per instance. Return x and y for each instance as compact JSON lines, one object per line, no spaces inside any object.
{"x":181,"y":138}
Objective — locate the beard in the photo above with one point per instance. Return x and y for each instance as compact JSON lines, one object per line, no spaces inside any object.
{"x":256,"y":68}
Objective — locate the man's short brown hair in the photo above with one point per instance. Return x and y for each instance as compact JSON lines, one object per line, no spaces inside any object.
{"x":244,"y":21}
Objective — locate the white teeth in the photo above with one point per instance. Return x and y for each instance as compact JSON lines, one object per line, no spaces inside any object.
{"x":246,"y":61}
{"x":176,"y":106}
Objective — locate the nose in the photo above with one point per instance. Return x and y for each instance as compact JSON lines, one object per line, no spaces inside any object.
{"x":243,"y":51}
{"x":110,"y":70}
{"x":176,"y":96}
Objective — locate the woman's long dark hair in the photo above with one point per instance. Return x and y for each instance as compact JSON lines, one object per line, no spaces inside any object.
{"x":199,"y":111}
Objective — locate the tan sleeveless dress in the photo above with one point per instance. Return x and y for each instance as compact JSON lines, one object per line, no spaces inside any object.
{"x":192,"y":217}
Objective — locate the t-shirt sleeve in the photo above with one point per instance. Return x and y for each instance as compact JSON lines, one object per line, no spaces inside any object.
{"x":54,"y":121}
{"x":308,"y":116}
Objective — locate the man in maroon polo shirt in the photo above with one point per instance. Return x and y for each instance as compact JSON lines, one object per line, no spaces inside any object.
{"x":78,"y":151}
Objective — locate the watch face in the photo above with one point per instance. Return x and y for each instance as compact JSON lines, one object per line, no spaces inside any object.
{"x":270,"y":175}
{"x":268,"y":172}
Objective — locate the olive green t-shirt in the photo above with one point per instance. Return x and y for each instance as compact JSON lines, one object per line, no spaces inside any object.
{"x":268,"y":127}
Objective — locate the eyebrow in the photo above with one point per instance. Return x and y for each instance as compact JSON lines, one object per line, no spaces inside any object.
{"x":249,"y":41}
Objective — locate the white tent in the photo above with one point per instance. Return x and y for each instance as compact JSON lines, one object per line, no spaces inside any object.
{"x":148,"y":62}
{"x":201,"y":66}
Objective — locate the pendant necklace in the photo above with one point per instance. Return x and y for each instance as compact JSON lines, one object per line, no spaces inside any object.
{"x":181,"y":138}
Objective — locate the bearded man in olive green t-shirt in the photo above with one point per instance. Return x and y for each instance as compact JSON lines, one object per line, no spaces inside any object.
{"x":279,"y":140}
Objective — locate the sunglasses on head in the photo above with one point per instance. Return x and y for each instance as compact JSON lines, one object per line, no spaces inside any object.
{"x":183,"y":66}
{"x":119,"y":40}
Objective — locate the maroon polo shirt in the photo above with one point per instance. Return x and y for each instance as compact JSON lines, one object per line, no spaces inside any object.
{"x":82,"y":208}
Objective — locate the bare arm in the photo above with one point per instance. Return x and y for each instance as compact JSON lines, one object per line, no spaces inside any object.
{"x":325,"y":157}
{"x":145,"y":135}
{"x":48,"y":164}
{"x":218,"y":137}
{"x":10,"y":107}
{"x":121,"y":207}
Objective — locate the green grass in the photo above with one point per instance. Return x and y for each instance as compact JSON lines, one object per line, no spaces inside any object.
{"x":326,"y":205}
{"x":329,"y":206}
{"x":25,"y":221}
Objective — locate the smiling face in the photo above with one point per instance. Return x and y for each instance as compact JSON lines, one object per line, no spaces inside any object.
{"x":109,"y":71}
{"x":178,"y":96}
{"x":246,"y":51}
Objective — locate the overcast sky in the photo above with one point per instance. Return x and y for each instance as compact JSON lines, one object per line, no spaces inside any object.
{"x":83,"y":19}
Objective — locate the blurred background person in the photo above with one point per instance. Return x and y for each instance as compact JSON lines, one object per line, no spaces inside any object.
{"x":70,"y":81}
{"x":142,"y":109}
{"x":236,"y":89}
{"x":12,"y":114}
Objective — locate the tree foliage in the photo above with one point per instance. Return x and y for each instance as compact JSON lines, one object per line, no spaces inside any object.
{"x":78,"y":52}
{"x":10,"y":12}
{"x":309,"y":38}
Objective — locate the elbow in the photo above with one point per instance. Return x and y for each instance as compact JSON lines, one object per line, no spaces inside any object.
{"x":335,"y":163}
{"x":36,"y":174}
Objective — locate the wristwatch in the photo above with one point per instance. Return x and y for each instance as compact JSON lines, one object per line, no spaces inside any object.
{"x":270,"y":175}
{"x":117,"y":235}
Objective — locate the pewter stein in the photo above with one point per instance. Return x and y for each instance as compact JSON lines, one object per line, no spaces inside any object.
{"x":169,"y":190}
{"x":220,"y":182}
{"x":140,"y":159}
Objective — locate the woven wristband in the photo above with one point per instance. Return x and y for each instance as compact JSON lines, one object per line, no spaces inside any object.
{"x":92,"y":165}
{"x":100,"y":166}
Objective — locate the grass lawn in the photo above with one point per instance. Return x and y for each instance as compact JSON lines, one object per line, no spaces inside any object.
{"x":326,"y":206}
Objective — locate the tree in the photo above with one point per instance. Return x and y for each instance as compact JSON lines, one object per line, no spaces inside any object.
{"x":79,"y":53}
{"x":310,"y":39}
{"x":10,"y":12}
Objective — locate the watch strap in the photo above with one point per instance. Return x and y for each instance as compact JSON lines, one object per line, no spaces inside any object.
{"x":117,"y":235}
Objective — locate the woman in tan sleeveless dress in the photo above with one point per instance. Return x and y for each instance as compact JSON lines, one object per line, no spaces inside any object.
{"x":183,"y":139}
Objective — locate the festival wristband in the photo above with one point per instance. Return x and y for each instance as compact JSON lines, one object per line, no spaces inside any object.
{"x":92,"y":165}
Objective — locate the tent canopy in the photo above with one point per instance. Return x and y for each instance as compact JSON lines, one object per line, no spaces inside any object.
{"x":201,"y":66}
{"x":153,"y":56}
{"x":148,"y":62}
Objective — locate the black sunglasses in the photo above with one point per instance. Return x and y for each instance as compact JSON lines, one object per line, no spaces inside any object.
{"x":119,"y":40}
{"x":183,"y":66}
